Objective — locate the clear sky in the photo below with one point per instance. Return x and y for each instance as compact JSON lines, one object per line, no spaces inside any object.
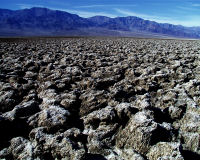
{"x":183,"y":12}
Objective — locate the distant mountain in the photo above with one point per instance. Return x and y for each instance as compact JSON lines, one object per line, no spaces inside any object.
{"x":39,"y":21}
{"x":46,"y":22}
{"x":137,"y":24}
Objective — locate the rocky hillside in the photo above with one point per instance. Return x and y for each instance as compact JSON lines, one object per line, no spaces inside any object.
{"x":86,"y":98}
{"x":46,"y":22}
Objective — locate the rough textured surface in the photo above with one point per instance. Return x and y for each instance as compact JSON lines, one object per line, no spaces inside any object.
{"x":164,"y":151}
{"x":99,"y":98}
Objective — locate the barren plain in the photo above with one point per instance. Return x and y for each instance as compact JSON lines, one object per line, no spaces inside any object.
{"x":99,"y":98}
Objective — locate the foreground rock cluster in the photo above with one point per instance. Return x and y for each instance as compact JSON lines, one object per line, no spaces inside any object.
{"x":99,"y":98}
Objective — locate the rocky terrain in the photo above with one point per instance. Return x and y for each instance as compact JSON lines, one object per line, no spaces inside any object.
{"x":99,"y":99}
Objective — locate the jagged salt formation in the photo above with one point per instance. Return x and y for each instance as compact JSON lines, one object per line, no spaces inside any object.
{"x":99,"y":98}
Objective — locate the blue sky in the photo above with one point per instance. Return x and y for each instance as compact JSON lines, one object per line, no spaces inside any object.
{"x":183,"y":12}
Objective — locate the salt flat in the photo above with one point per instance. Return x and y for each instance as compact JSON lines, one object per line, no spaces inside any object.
{"x":99,"y":98}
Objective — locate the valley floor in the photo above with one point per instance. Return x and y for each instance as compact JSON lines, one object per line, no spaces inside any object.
{"x":99,"y":98}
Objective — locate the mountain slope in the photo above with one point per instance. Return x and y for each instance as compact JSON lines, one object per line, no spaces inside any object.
{"x":40,"y":21}
{"x":43,"y":21}
{"x":137,"y":24}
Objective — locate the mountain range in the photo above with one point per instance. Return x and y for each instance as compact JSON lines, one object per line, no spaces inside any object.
{"x":47,"y":22}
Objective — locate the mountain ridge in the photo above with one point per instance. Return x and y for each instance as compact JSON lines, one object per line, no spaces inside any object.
{"x":46,"y":22}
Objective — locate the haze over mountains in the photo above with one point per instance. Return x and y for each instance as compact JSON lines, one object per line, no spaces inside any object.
{"x":46,"y":22}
